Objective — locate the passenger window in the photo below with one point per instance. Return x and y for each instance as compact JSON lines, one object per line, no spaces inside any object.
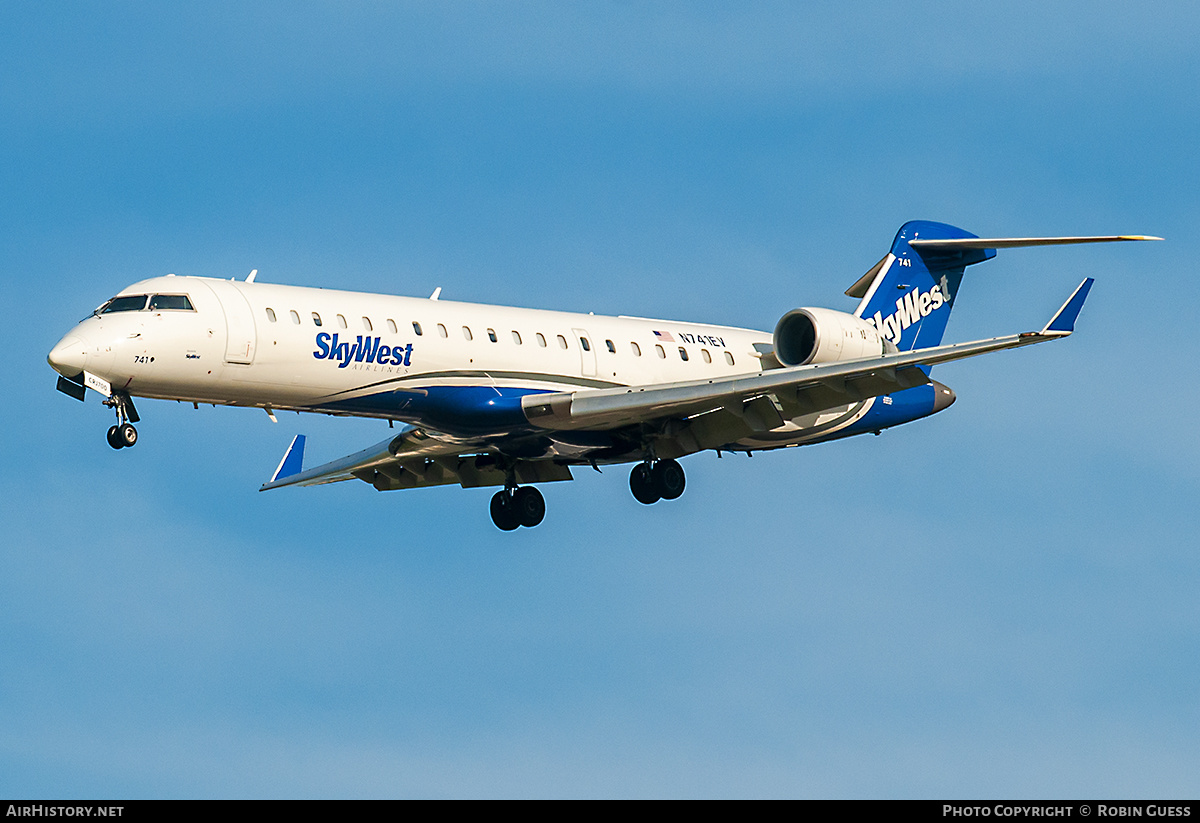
{"x":683,"y":354}
{"x":659,"y":350}
{"x":467,"y":333}
{"x":341,"y":322}
{"x":516,"y":337}
{"x":271,"y":315}
{"x":583,"y":342}
{"x":637,"y":350}
{"x":729,"y":358}
{"x":170,"y":302}
{"x":295,"y":316}
{"x":392,"y":326}
{"x":562,"y":342}
{"x":416,"y":328}
{"x":541,"y":339}
{"x":316,"y":319}
{"x":442,"y":330}
{"x":707,"y":357}
{"x":492,"y":335}
{"x":367,"y":325}
{"x":609,"y":345}
{"x":133,"y":302}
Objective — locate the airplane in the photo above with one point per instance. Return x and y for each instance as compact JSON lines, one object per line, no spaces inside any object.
{"x":498,"y":396}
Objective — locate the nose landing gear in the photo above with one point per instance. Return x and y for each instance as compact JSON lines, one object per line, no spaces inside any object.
{"x":123,"y":434}
{"x":661,"y":480}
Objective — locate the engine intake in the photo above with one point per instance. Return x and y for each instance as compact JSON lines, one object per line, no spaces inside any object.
{"x":804,"y":336}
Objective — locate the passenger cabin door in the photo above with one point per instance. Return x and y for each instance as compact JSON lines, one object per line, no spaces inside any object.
{"x":587,"y":352}
{"x":240,"y":337}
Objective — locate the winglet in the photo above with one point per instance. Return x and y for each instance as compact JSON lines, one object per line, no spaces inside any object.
{"x":293,"y":460}
{"x":1063,"y":322}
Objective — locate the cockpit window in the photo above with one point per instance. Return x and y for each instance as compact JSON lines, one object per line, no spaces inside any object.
{"x":178,"y":302}
{"x":138,"y":302}
{"x":129,"y":302}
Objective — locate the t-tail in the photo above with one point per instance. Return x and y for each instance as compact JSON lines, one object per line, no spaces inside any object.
{"x":909,"y":293}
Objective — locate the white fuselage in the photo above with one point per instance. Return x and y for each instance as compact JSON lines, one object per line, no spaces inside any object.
{"x":321,"y":350}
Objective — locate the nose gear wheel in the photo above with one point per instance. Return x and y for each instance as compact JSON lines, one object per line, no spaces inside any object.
{"x":123,"y":434}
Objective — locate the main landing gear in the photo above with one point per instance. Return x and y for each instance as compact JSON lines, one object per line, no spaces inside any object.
{"x":661,"y":480}
{"x":651,"y":481}
{"x":123,"y":434}
{"x":513,"y":507}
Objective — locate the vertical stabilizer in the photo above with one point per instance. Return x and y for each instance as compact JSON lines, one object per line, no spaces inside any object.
{"x":914,"y":288}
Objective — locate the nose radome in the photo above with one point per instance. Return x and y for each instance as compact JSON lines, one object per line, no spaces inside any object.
{"x":69,"y":357}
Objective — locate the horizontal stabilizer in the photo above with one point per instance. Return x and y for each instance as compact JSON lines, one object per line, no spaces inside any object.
{"x":293,"y":460}
{"x":1019,"y":242}
{"x":1063,"y":322}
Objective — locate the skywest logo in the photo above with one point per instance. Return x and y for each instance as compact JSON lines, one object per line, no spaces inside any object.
{"x":368,"y":350}
{"x":909,"y":309}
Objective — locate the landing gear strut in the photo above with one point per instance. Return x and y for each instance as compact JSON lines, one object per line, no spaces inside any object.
{"x":661,"y":480}
{"x":514,"y":507}
{"x":123,"y":434}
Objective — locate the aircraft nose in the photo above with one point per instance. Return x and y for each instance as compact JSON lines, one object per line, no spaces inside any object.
{"x":943,"y":396}
{"x":69,"y":357}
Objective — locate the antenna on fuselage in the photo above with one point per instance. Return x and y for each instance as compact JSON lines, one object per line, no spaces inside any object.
{"x":250,"y":277}
{"x":436,"y":293}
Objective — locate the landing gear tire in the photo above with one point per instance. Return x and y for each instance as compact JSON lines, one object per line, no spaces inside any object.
{"x":668,"y":479}
{"x":127,"y":435}
{"x":641,"y":483}
{"x":664,"y":480}
{"x":123,"y":434}
{"x":518,"y":507}
{"x":504,"y":512}
{"x":529,"y":505}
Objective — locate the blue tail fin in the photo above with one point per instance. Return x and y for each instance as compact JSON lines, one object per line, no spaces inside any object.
{"x":913,"y":288}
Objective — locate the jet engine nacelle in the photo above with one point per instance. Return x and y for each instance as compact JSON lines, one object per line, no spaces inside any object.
{"x":804,"y":336}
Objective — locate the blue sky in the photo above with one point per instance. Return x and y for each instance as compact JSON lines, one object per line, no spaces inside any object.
{"x":999,"y":601}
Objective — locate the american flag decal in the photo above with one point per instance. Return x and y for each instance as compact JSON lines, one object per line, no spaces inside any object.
{"x":664,"y":336}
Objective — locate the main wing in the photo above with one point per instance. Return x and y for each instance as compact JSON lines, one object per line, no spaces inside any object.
{"x":416,"y":457}
{"x":803,"y":388}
